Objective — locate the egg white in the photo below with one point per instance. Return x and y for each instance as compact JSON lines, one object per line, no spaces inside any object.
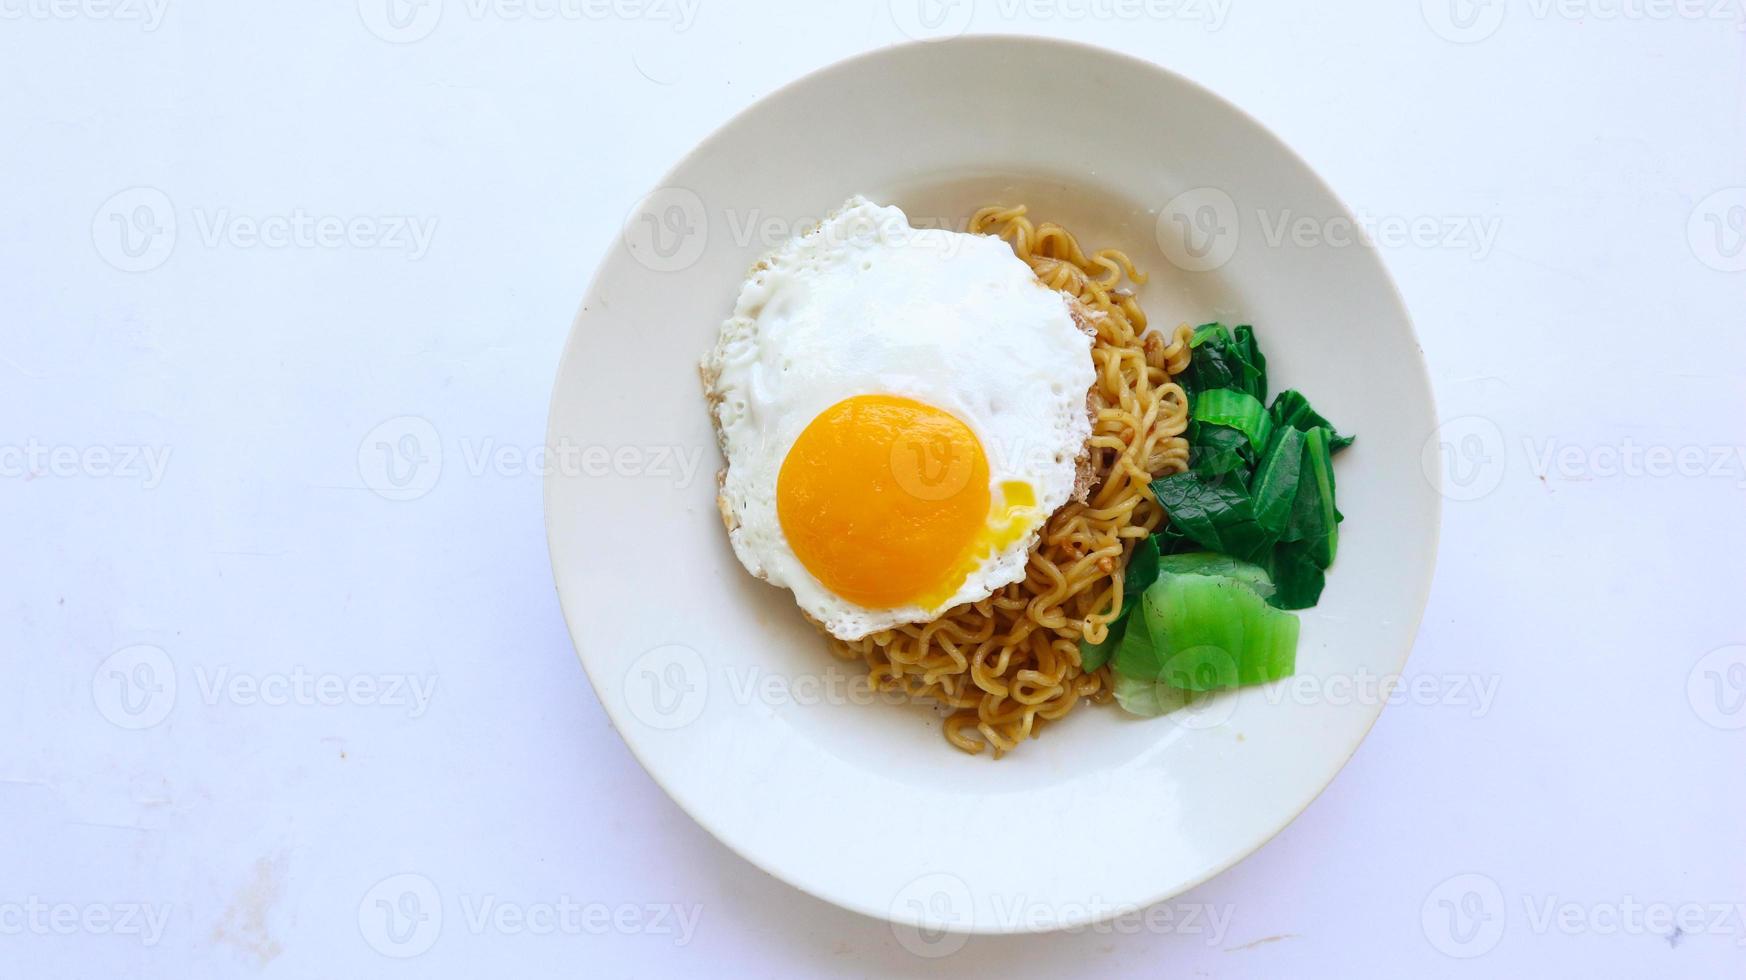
{"x":866,"y":304}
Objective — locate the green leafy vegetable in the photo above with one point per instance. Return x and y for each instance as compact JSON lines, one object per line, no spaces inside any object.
{"x":1297,"y":579}
{"x":1249,"y":499}
{"x":1216,"y":632}
{"x":1237,"y":409}
{"x":1222,"y":358}
{"x":1210,"y":563}
{"x":1206,"y":633}
{"x":1214,"y":336}
{"x":1314,"y":519}
{"x":1218,"y":451}
{"x":1249,"y":354}
{"x":1252,"y":528}
{"x":1171,"y":540}
{"x":1275,"y":488}
{"x":1292,"y":409}
{"x":1136,"y":654}
{"x":1148,"y":699}
{"x":1217,"y":517}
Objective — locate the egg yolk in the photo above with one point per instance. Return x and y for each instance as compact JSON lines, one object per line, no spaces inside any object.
{"x":886,"y":501}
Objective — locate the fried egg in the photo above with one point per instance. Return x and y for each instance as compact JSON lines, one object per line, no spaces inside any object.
{"x":900,"y":410}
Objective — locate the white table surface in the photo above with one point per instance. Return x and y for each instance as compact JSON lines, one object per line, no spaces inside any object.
{"x":246,"y":692}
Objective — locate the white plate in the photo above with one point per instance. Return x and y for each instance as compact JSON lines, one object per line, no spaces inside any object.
{"x":733,"y":703}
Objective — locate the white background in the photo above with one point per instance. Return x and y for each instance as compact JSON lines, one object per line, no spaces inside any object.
{"x":1594,"y":592}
